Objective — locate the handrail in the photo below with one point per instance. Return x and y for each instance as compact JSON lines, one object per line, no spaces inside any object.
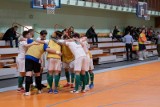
{"x":23,"y":26}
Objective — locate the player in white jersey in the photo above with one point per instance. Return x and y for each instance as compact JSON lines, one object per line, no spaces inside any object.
{"x":86,"y":49}
{"x":80,"y":62}
{"x":90,"y":61}
{"x":21,"y":59}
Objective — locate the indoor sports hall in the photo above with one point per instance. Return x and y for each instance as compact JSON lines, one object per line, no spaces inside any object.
{"x":79,"y":53}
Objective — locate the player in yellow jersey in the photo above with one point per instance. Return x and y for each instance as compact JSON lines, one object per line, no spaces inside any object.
{"x":68,"y":64}
{"x":32,"y":58}
{"x":54,"y":65}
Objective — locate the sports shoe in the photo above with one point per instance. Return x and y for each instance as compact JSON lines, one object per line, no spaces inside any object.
{"x":27,"y":94}
{"x":87,"y":88}
{"x":72,"y":85}
{"x":39,"y":91}
{"x":140,"y":59}
{"x":55,"y":91}
{"x":66,"y":85}
{"x":74,"y":91}
{"x":83,"y":91}
{"x":50,"y":91}
{"x":20,"y":89}
{"x":91,"y":86}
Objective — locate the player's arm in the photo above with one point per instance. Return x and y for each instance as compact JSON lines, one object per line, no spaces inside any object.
{"x":29,"y":45}
{"x":52,"y":51}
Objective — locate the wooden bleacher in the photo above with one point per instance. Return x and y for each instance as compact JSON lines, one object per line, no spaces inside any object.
{"x":8,"y":57}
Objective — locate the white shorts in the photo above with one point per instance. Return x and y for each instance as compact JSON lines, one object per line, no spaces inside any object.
{"x":54,"y":64}
{"x":20,"y":64}
{"x":81,"y":64}
{"x":68,"y":65}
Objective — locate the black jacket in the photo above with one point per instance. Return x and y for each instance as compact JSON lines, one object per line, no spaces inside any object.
{"x":90,"y":32}
{"x":9,"y":33}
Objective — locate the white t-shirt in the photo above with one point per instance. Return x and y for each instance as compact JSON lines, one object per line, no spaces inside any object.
{"x":85,"y":46}
{"x":22,"y":49}
{"x":76,"y":49}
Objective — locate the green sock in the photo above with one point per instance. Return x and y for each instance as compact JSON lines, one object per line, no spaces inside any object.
{"x":80,"y":83}
{"x":87,"y":78}
{"x":56,"y":80}
{"x":67,"y":76}
{"x":92,"y":77}
{"x":20,"y":81}
{"x":83,"y":81}
{"x":72,"y":77}
{"x":50,"y":80}
{"x":77,"y":81}
{"x":59,"y":77}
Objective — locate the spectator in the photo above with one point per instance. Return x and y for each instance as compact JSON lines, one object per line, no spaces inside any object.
{"x":92,"y":34}
{"x":11,"y":35}
{"x":142,"y":48}
{"x":128,"y":39}
{"x":71,"y":31}
{"x":116,"y":34}
{"x":158,"y":45}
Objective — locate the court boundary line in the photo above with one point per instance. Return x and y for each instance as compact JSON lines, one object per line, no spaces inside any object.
{"x":101,"y":90}
{"x":123,"y":102}
{"x":96,"y":72}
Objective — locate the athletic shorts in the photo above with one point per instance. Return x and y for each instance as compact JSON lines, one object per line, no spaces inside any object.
{"x":31,"y":65}
{"x":54,"y":64}
{"x":142,"y":47}
{"x":20,"y":64}
{"x":68,"y":65}
{"x":81,"y":64}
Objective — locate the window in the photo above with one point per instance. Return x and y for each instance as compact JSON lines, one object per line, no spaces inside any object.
{"x":27,"y":27}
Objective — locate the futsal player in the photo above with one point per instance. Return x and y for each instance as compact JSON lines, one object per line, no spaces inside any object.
{"x":21,"y":59}
{"x":68,"y":64}
{"x":80,"y":62}
{"x":32,"y":58}
{"x":54,"y":65}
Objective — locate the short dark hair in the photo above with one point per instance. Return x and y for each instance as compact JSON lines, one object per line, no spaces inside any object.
{"x":15,"y":26}
{"x":76,"y":35}
{"x":43,"y":32}
{"x":30,"y":30}
{"x":25,"y":33}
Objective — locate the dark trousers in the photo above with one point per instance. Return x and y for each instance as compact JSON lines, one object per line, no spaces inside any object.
{"x":94,"y":36}
{"x":129,"y":49}
{"x":11,"y":41}
{"x":158,"y":49}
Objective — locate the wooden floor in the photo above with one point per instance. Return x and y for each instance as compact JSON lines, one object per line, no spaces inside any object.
{"x":137,"y":86}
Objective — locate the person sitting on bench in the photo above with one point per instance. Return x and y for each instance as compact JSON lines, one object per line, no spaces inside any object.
{"x":11,"y":35}
{"x":92,"y":34}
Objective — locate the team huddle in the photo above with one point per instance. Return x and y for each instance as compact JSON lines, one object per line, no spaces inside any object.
{"x":62,"y":51}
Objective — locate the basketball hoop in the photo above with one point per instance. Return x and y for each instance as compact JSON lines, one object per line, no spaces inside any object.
{"x":50,"y":8}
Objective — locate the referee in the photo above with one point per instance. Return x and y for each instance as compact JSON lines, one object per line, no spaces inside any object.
{"x":128,"y":40}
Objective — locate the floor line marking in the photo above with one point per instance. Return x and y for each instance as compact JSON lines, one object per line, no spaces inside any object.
{"x":101,"y":90}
